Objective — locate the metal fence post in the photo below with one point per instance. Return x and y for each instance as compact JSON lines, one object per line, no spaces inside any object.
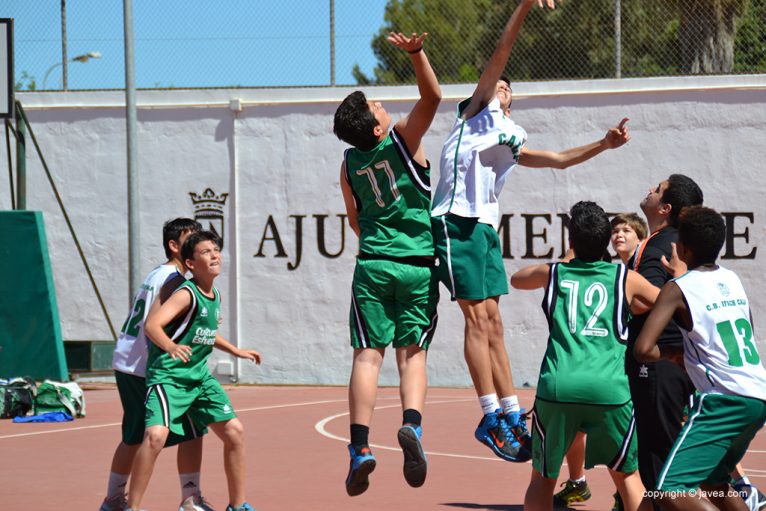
{"x":617,"y":39}
{"x":332,"y":43}
{"x":21,"y":160}
{"x":132,"y":150}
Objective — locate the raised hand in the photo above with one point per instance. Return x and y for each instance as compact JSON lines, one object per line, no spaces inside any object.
{"x":618,"y":135}
{"x":411,"y":44}
{"x":551,"y":4}
{"x":675,"y":267}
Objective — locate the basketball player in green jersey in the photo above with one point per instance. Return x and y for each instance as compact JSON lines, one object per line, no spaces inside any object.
{"x":386,"y":188}
{"x":583,"y":386}
{"x":183,"y":332}
{"x":710,"y":306}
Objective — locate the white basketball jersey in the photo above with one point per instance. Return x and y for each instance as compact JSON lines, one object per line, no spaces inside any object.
{"x":131,"y":350}
{"x":720,"y":352}
{"x":478,"y":156}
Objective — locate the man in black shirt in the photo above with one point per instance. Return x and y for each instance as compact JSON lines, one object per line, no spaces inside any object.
{"x":660,"y":390}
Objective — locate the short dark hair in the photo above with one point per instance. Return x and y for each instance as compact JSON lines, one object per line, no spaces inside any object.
{"x":174,"y":229}
{"x":702,"y":230}
{"x":681,"y":192}
{"x":187,"y":250}
{"x":634,"y":221}
{"x":589,"y":230}
{"x":354,"y":122}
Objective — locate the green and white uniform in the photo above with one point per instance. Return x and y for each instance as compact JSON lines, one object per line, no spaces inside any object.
{"x":722,"y":360}
{"x":477,"y":158}
{"x":582,"y":384}
{"x":394,"y":292}
{"x":131,"y":353}
{"x":131,"y":350}
{"x":176,"y":387}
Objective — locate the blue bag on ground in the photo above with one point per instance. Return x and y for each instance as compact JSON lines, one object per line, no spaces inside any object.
{"x":45,"y":417}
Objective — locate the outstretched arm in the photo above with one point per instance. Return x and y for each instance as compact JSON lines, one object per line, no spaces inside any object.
{"x":641,"y":293}
{"x":614,"y":138}
{"x":531,"y":277}
{"x":485,"y":90}
{"x":413,"y":127}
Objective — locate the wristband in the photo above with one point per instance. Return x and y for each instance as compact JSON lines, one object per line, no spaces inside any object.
{"x":415,"y":51}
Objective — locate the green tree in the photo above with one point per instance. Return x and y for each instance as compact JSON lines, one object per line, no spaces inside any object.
{"x":707,"y":32}
{"x":26,"y":81}
{"x":750,"y":44}
{"x":453,"y":28}
{"x":577,"y":40}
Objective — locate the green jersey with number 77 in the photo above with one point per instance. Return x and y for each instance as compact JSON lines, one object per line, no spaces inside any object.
{"x":392,"y":194}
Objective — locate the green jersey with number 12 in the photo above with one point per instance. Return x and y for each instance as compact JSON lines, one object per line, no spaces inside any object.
{"x":132,"y":346}
{"x":587,"y":315}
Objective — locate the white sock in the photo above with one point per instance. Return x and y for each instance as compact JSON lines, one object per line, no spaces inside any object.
{"x":117,"y":484}
{"x":581,"y":480}
{"x":489,"y":403}
{"x":189,"y":484}
{"x":510,"y":404}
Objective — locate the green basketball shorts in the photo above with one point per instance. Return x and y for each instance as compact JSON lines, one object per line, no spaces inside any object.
{"x":713,"y":440}
{"x":470,"y":258}
{"x":611,"y":431}
{"x":392,"y":302}
{"x":132,"y":390}
{"x":205,"y":403}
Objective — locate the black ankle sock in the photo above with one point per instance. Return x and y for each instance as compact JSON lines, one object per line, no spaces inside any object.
{"x":359,"y":436}
{"x":412,"y":416}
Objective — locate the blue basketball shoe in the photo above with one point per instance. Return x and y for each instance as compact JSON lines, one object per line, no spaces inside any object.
{"x":244,"y":507}
{"x":494,"y":432}
{"x":362,"y":464}
{"x":415,"y":465}
{"x":517,"y":423}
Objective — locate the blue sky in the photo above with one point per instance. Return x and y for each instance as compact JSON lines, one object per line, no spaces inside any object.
{"x":195,"y":43}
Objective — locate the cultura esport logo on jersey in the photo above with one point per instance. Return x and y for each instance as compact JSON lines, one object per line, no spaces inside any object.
{"x":226,"y":409}
{"x":204,"y":336}
{"x":723,"y":288}
{"x":203,"y":312}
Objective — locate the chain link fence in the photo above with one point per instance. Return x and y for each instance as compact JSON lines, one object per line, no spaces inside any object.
{"x":269,"y":43}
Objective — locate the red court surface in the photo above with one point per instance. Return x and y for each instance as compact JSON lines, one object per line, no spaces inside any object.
{"x":296,"y":457}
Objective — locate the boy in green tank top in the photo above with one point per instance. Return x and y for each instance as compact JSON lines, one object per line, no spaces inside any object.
{"x":386,"y":188}
{"x":183,"y":332}
{"x":582,"y":385}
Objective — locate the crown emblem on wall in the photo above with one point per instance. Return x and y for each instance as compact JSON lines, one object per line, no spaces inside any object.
{"x":208,"y":203}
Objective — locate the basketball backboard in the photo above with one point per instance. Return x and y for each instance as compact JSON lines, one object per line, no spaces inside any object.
{"x":6,"y":67}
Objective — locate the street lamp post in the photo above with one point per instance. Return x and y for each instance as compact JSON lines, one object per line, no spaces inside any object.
{"x":85,"y":57}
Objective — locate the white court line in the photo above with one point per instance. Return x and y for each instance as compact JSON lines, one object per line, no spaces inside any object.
{"x":61,"y":430}
{"x":320,"y":427}
{"x":112,"y":424}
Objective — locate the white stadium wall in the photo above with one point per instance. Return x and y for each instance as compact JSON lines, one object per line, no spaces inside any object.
{"x":271,"y":163}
